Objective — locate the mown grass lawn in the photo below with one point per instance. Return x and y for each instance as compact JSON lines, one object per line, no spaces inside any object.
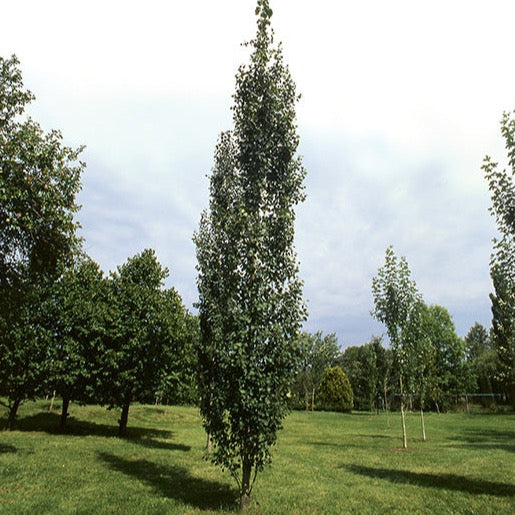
{"x":323,"y":463}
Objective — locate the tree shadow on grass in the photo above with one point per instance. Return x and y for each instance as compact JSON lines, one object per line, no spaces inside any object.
{"x":48,"y":422}
{"x":345,"y":443}
{"x":444,"y":481}
{"x":176,"y":483}
{"x":150,"y":443}
{"x":5,"y":448}
{"x":487,"y":439}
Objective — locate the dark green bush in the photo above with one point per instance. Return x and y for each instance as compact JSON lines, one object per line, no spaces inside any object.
{"x":335,"y":391}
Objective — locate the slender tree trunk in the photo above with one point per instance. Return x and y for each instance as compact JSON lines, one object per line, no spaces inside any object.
{"x":245,"y":485}
{"x":13,"y":411}
{"x":64,"y":413}
{"x":51,"y":407}
{"x":209,"y":443}
{"x":313,"y":400}
{"x":386,"y":404}
{"x":423,"y":424}
{"x":122,"y":428}
{"x":403,"y":420}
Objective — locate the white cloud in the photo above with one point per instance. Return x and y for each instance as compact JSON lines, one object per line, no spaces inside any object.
{"x":401,"y":101}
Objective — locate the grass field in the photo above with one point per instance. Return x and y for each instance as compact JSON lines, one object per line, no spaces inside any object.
{"x":323,"y":463}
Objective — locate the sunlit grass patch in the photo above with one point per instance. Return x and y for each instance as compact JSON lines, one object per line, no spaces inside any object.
{"x":323,"y":463}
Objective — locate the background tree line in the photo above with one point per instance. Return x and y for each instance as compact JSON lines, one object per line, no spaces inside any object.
{"x":455,"y":370}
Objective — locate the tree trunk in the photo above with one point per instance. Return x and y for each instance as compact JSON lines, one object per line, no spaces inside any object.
{"x":13,"y":411}
{"x":245,"y":485}
{"x":386,"y":403}
{"x":122,"y":428}
{"x":209,"y":443}
{"x":64,"y":413}
{"x":313,"y":400}
{"x":51,"y":407}
{"x":423,"y":424}
{"x":403,"y":421}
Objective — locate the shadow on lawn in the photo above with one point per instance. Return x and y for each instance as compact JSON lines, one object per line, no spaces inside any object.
{"x":176,"y":483}
{"x":5,"y":448}
{"x":48,"y":422}
{"x":444,"y":481}
{"x":487,"y":439}
{"x":346,"y":443}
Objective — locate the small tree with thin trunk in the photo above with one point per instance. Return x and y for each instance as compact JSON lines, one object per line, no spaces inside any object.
{"x":396,"y":299}
{"x":250,"y":305}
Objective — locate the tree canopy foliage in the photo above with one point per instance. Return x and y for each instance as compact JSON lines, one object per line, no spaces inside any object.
{"x":39,"y":180}
{"x":250,"y":303}
{"x":335,"y":393}
{"x":502,"y":264}
{"x":317,"y":353}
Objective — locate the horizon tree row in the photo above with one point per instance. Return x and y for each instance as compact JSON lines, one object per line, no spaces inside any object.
{"x":457,"y":370}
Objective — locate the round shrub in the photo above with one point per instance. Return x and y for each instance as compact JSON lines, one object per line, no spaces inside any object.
{"x":335,"y":392}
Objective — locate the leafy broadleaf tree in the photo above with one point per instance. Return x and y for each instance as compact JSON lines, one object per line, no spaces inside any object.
{"x":396,"y":302}
{"x":451,"y":375}
{"x":317,"y":354}
{"x":502,"y":264}
{"x":178,"y":383}
{"x":75,"y":317}
{"x":250,"y":296}
{"x":139,"y":337}
{"x":39,"y":179}
{"x":483,"y":358}
{"x":368,"y":370}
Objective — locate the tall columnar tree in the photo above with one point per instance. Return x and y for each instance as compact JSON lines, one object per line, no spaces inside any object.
{"x":396,"y":302}
{"x":39,"y":179}
{"x":250,"y":303}
{"x":502,"y":264}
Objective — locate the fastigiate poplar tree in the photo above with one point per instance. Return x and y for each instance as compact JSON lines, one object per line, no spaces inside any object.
{"x":250,"y":295}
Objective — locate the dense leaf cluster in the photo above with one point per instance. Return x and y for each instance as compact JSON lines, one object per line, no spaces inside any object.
{"x":250,"y":303}
{"x":502,"y":265}
{"x":39,"y":179}
{"x":335,"y":392}
{"x":317,"y":353}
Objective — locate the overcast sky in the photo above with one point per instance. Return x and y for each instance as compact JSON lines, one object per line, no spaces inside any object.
{"x":401,"y":100}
